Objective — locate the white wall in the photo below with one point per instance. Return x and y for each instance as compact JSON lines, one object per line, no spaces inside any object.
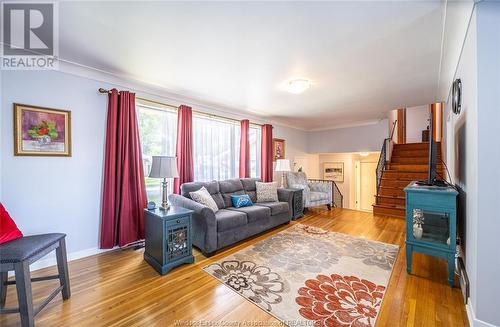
{"x":392,"y":116}
{"x":350,"y":139}
{"x":417,"y":120}
{"x":63,"y":194}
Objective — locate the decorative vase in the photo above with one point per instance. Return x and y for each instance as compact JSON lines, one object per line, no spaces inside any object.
{"x":417,"y":231}
{"x":44,"y":140}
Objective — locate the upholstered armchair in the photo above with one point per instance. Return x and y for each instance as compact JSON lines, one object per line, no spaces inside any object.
{"x":315,"y":192}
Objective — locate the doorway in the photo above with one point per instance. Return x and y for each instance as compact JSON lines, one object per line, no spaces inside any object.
{"x":366,"y":185}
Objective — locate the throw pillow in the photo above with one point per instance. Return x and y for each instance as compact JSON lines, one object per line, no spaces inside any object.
{"x":241,"y":201}
{"x":9,"y":230}
{"x":267,"y":192}
{"x":203,"y":197}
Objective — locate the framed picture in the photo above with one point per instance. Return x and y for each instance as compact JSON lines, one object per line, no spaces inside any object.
{"x":41,"y":131}
{"x":278,"y":149}
{"x":333,"y":171}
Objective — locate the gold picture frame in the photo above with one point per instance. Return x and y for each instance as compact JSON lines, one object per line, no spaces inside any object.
{"x":278,"y":149}
{"x":40,"y":131}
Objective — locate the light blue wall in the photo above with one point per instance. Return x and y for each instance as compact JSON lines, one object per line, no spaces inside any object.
{"x":473,"y":157}
{"x":349,"y":139}
{"x":488,"y":237}
{"x":55,"y":194}
{"x":63,"y":194}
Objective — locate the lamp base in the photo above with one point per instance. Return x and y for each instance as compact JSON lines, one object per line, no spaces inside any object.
{"x":282,"y":180}
{"x":164,"y":203}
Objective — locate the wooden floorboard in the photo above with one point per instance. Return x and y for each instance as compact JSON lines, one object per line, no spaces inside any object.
{"x":119,"y":288}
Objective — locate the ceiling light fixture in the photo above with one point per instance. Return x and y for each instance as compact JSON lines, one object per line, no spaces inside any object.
{"x":364,"y":154}
{"x":297,"y":86}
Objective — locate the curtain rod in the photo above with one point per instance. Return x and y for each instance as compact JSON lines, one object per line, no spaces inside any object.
{"x":104,"y":91}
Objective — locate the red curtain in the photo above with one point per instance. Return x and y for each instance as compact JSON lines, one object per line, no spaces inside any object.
{"x":124,"y":191}
{"x":184,"y":148}
{"x":266,"y":157}
{"x":245,"y":149}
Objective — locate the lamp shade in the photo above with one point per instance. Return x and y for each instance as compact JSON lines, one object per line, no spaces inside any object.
{"x":282,"y":165}
{"x":163,"y":167}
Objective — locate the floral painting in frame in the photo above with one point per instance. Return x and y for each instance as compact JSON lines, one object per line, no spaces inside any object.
{"x":278,"y":149}
{"x":41,"y":131}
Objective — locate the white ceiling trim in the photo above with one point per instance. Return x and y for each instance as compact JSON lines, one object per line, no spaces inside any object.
{"x":356,"y":124}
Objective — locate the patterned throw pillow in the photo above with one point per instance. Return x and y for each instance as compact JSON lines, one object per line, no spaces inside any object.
{"x":241,"y":201}
{"x":203,"y":197}
{"x":267,"y":192}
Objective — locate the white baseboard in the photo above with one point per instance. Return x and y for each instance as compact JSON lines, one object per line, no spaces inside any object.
{"x":473,"y":321}
{"x":50,"y":259}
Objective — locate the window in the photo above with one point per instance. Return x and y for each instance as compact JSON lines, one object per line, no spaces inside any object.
{"x":158,"y":131}
{"x":216,"y":150}
{"x":216,"y":145}
{"x":254,"y":137}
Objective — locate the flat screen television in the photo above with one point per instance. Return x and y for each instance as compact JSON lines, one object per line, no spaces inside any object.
{"x":432,"y":179}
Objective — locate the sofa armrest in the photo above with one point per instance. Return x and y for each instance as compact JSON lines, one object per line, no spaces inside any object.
{"x":203,"y":222}
{"x":286,"y":195}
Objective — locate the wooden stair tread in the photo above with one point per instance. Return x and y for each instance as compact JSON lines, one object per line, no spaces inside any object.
{"x":389,"y":206}
{"x":404,"y":171}
{"x":391,"y":197}
{"x":409,"y":162}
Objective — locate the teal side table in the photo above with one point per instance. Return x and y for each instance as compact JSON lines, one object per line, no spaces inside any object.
{"x":167,"y":238}
{"x":431,"y":224}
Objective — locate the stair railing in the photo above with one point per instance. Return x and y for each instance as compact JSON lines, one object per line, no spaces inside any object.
{"x":338,"y":198}
{"x":384,"y":157}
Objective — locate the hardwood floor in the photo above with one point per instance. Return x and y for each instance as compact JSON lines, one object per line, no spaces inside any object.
{"x":120,"y":289}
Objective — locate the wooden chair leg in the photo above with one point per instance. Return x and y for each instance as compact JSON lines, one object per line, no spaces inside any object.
{"x":3,"y":288}
{"x":24,"y":295}
{"x":62,"y":267}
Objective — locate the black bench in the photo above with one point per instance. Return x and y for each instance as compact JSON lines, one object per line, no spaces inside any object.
{"x":18,"y":255}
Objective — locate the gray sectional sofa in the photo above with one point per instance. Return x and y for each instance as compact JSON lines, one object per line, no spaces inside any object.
{"x":213,"y":231}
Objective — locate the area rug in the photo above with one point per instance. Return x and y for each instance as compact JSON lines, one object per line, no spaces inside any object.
{"x":308,"y":276}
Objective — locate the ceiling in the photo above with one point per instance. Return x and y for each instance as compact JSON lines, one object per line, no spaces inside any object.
{"x":363,"y":58}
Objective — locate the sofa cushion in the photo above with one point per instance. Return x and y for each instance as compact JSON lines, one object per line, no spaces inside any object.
{"x":203,"y":197}
{"x":229,"y":219}
{"x":212,"y":188}
{"x":276,"y":207}
{"x":254,"y":213}
{"x":250,"y":187}
{"x":230,"y":187}
{"x":241,"y":201}
{"x":318,"y":196}
{"x":267,"y":192}
{"x":9,"y":230}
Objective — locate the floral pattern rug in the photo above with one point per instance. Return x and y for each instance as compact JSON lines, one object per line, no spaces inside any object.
{"x":308,"y":276}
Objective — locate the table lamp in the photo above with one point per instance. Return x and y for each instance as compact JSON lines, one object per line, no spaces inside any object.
{"x":164,"y":167}
{"x":282,"y":165}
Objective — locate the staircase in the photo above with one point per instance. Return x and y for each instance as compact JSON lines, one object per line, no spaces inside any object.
{"x":409,"y":162}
